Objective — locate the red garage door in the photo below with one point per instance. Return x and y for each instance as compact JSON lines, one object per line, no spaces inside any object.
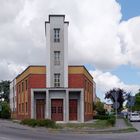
{"x":40,"y":109}
{"x":57,"y":109}
{"x":73,"y":109}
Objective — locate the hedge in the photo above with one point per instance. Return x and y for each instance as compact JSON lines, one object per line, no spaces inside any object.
{"x":44,"y":123}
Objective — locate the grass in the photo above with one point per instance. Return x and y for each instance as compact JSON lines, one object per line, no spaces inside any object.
{"x":127,"y":122}
{"x":99,"y":124}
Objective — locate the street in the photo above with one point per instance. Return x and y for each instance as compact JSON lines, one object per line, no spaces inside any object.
{"x":14,"y":131}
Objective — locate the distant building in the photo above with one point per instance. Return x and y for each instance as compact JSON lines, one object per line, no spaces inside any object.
{"x":108,"y":107}
{"x":55,"y":91}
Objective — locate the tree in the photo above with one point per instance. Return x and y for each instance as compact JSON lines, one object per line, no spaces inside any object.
{"x":116,"y":92}
{"x":5,"y":110}
{"x":99,"y":106}
{"x":5,"y":90}
{"x":130,"y":101}
{"x":136,"y":106}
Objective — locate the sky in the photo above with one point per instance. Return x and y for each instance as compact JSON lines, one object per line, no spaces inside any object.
{"x":104,"y":33}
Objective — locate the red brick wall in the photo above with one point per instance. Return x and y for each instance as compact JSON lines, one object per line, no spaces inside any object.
{"x":34,"y":81}
{"x":75,"y":81}
{"x":78,"y":81}
{"x":39,"y":81}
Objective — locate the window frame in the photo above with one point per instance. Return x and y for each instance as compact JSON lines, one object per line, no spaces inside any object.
{"x":56,"y":57}
{"x":56,"y":34}
{"x":57,"y":80}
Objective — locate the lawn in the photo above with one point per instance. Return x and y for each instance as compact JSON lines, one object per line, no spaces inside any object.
{"x":99,"y":124}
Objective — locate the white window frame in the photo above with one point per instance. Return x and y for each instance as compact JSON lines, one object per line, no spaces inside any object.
{"x":56,"y":34}
{"x":57,"y":80}
{"x":56,"y":57}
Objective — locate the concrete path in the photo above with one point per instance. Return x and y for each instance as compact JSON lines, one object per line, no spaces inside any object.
{"x":120,"y":124}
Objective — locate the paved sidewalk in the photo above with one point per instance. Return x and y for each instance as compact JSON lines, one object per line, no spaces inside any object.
{"x":120,"y":124}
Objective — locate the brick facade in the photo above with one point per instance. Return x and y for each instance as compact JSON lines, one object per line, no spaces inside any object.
{"x":32,"y":80}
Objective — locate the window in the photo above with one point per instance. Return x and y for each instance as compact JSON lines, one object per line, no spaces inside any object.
{"x":56,"y":57}
{"x":19,"y":108}
{"x":56,"y":35}
{"x":22,"y":107}
{"x":26,"y":85}
{"x":22,"y":86}
{"x":19,"y":89}
{"x":26,"y":107}
{"x":60,"y":109}
{"x":57,"y":80}
{"x":53,"y":110}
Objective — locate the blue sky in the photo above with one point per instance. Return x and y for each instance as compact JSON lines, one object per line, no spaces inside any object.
{"x":130,"y":8}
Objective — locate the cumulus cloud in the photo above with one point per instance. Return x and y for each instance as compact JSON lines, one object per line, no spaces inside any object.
{"x":106,"y":81}
{"x":96,"y":34}
{"x":129,"y":32}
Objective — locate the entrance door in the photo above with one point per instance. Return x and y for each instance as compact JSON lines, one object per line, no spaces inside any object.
{"x":57,"y":109}
{"x":40,"y":109}
{"x":73,"y":109}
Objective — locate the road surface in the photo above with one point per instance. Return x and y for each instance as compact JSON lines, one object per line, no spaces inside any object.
{"x":13,"y":131}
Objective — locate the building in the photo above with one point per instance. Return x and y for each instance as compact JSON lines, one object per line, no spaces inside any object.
{"x":55,"y":91}
{"x":108,"y":107}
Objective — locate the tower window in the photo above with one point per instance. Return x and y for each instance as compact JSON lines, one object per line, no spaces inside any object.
{"x":56,"y":57}
{"x":56,"y":35}
{"x":57,"y":80}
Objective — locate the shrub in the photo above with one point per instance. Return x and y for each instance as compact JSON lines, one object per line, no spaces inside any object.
{"x":30,"y":122}
{"x":44,"y":123}
{"x":5,"y":112}
{"x":111,"y":121}
{"x":101,"y":117}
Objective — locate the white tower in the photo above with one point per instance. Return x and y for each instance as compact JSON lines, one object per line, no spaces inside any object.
{"x":56,"y":30}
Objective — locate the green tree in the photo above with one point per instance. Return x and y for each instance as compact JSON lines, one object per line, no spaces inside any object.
{"x":116,"y":92}
{"x":136,"y":106}
{"x":99,"y":106}
{"x":5,"y":90}
{"x":5,"y":110}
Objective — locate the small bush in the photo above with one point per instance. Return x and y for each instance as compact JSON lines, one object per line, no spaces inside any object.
{"x":101,"y":117}
{"x":44,"y":123}
{"x":30,"y":122}
{"x":111,"y":121}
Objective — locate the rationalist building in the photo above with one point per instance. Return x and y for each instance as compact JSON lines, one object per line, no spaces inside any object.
{"x":55,"y":91}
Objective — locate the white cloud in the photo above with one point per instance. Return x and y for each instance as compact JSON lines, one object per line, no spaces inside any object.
{"x":106,"y":81}
{"x":96,"y":34}
{"x":129,"y":32}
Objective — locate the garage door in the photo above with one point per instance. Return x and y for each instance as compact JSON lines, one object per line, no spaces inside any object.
{"x":57,"y":109}
{"x":73,"y":109}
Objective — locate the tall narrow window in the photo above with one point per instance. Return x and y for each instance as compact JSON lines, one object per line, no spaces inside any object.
{"x":56,"y":57}
{"x":26,"y":107}
{"x":19,"y":89}
{"x":22,"y":107}
{"x":22,"y":86}
{"x":57,"y":80}
{"x":26,"y":84}
{"x":56,"y":35}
